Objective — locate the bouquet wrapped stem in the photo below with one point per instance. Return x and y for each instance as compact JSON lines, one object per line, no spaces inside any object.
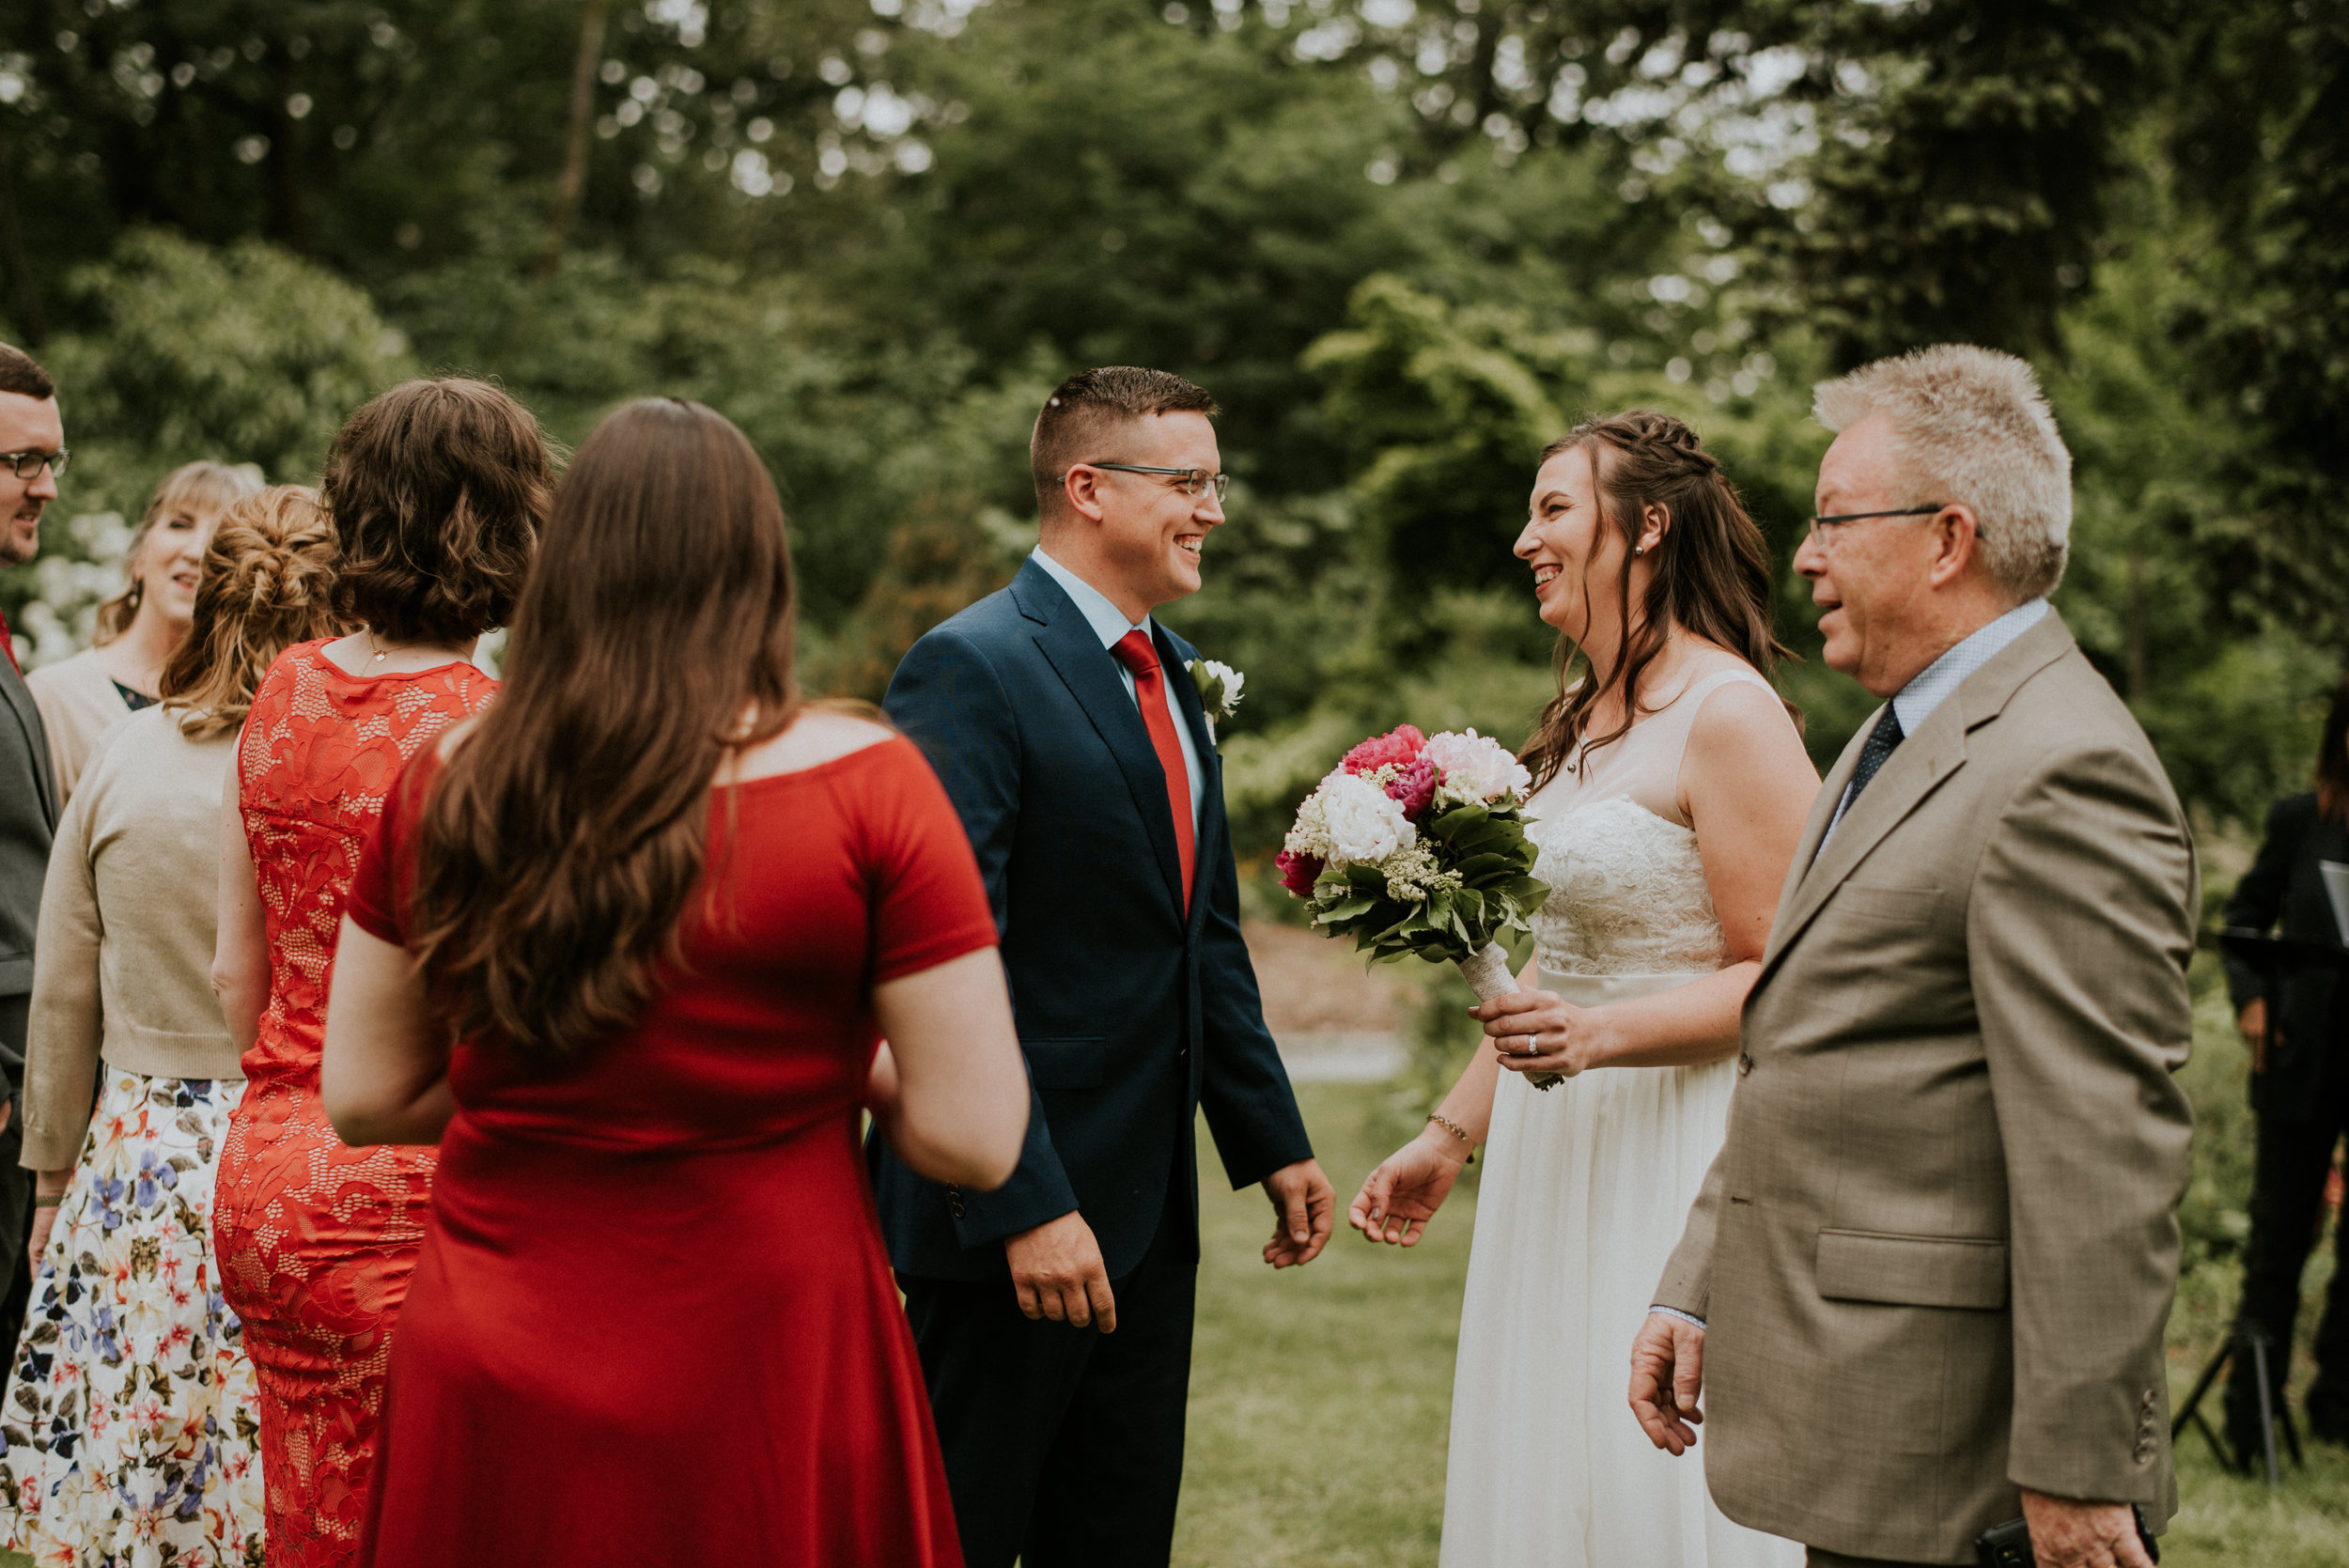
{"x":1416,"y":844}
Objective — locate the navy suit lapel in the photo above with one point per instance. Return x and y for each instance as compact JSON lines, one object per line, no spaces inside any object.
{"x":1090,"y":673}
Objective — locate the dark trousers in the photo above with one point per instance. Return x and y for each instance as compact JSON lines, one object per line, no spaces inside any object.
{"x":2286,"y":1201}
{"x":1064,"y":1446}
{"x":1819,"y":1557}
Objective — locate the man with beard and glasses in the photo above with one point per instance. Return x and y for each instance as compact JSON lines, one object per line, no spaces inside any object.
{"x":32,"y":454}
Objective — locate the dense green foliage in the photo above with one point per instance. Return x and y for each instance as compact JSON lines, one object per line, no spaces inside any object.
{"x":1406,"y":242}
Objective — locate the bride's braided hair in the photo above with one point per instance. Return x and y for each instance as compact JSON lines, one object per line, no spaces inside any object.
{"x":1711,"y":577}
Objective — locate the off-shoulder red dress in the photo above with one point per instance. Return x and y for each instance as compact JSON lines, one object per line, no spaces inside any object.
{"x":654,"y":1320}
{"x":316,"y":1239}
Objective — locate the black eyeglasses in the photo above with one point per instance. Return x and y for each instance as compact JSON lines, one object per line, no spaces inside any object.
{"x":1195,"y":480}
{"x":1817,"y":524}
{"x":27,"y":464}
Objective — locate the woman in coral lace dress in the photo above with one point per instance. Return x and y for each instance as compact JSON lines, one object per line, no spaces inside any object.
{"x":437,"y":490}
{"x":663,"y":910}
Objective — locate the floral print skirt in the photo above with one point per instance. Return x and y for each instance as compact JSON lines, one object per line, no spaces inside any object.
{"x":126,"y":1437}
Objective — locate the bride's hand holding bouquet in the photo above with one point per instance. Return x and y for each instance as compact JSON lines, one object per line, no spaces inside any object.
{"x":1416,"y":844}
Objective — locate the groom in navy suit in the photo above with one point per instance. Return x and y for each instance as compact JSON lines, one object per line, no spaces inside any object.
{"x":1055,"y":1314}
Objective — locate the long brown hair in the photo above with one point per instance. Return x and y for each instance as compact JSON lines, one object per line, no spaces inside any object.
{"x":267,"y":582}
{"x":197,"y":487}
{"x":1712,"y":572}
{"x":559,"y":850}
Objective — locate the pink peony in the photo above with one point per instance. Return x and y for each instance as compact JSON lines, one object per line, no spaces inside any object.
{"x":1398,"y":748}
{"x":1298,"y":872}
{"x":1415,"y":786}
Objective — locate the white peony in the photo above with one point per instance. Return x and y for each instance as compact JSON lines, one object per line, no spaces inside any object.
{"x":1360,"y":824}
{"x":1476,"y":767}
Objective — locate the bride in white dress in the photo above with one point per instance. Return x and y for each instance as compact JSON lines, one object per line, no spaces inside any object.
{"x":1664,"y":843}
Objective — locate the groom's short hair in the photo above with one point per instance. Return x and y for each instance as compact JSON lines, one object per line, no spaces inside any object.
{"x":1085,"y":411}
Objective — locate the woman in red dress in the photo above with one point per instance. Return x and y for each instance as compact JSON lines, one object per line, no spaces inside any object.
{"x":665,"y":913}
{"x":437,"y":490}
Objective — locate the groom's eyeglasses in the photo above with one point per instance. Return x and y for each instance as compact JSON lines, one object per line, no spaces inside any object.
{"x":1824,"y":527}
{"x":1195,"y":480}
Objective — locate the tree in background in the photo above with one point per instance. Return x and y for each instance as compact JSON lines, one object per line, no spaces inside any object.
{"x":1406,"y":242}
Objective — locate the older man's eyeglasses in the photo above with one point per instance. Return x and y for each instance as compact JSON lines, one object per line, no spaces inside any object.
{"x":1824,"y":528}
{"x":1195,"y":480}
{"x":27,"y":464}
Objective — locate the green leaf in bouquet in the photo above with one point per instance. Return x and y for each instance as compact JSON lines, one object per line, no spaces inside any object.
{"x":1347,"y":909}
{"x":1527,"y":892}
{"x":1450,"y":825}
{"x":1367,"y":877}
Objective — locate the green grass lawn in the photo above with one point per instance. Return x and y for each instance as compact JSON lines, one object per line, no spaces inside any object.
{"x":1320,"y":1396}
{"x":1318,"y":1405}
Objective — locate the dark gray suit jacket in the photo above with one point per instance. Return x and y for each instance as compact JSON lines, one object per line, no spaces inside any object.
{"x":29,"y":817}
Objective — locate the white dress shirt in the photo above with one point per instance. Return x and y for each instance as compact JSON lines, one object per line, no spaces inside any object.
{"x":1109,"y":624}
{"x":1932,"y":684}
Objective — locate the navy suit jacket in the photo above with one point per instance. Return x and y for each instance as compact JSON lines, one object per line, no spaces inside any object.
{"x":1132,"y":1015}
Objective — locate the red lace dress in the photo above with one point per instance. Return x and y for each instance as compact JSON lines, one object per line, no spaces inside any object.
{"x":317,"y":1240}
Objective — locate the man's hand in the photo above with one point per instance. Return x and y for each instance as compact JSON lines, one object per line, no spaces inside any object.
{"x":1058,"y":1272}
{"x":1667,"y":1375}
{"x":1304,"y":1210}
{"x":2069,"y":1534}
{"x":2252,"y":1023}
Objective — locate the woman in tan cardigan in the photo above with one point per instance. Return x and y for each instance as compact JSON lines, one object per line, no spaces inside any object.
{"x":82,"y":697}
{"x":130,"y":1386}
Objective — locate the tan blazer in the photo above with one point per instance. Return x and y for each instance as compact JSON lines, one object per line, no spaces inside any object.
{"x":1938,"y":1250}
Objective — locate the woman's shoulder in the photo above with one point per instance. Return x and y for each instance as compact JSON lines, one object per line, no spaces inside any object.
{"x":820,"y":735}
{"x":81,"y":675}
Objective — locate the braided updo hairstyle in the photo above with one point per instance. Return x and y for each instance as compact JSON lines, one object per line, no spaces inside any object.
{"x":1711,"y":573}
{"x":267,"y":582}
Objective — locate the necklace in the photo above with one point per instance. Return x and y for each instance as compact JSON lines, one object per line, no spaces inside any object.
{"x":381,"y":653}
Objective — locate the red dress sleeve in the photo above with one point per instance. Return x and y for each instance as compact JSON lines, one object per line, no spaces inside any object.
{"x":387,"y":866}
{"x":927,"y":902}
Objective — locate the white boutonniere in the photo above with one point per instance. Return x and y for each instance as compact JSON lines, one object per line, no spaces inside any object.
{"x":1219,"y":687}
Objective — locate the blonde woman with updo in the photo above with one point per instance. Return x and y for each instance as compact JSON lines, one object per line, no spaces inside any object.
{"x":1671,"y":789}
{"x":128,"y":1427}
{"x":82,"y":697}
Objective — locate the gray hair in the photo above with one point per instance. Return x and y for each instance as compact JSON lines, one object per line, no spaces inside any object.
{"x":1972,"y":427}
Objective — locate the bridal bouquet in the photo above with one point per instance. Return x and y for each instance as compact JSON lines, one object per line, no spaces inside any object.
{"x":1416,"y":844}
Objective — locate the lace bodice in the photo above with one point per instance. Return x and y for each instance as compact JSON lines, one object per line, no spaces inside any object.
{"x":1627,"y":893}
{"x":320,"y":752}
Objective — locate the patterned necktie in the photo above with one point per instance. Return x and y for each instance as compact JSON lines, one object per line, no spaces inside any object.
{"x":1881,"y":741}
{"x":1139,"y":654}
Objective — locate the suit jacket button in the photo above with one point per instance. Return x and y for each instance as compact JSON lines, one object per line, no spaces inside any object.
{"x":1745,"y":1063}
{"x":953,"y":1202}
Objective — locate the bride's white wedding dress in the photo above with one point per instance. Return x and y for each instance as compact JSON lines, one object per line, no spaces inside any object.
{"x":1585,"y":1191}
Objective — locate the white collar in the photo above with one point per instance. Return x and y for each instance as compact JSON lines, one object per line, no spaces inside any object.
{"x":1108,"y":621}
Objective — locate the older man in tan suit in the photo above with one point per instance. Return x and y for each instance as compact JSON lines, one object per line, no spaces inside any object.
{"x":1925,"y":1283}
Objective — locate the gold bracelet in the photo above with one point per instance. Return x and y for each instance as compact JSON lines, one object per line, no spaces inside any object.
{"x":1456,"y":1131}
{"x":49,"y":1203}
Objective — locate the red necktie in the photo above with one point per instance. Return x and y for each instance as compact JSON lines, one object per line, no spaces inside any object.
{"x":8,"y":643}
{"x":1137,"y":652}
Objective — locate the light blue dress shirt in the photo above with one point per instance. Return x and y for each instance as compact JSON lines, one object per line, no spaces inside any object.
{"x":1109,"y":624}
{"x":1932,"y":684}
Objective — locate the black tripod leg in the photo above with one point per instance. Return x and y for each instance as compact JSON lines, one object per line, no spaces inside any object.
{"x":2267,"y":1409}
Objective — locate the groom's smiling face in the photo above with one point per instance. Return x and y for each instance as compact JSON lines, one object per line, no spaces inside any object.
{"x":1150,"y":531}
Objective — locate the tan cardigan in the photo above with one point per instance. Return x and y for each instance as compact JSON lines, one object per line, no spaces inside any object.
{"x":122,"y":962}
{"x":78,"y":703}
